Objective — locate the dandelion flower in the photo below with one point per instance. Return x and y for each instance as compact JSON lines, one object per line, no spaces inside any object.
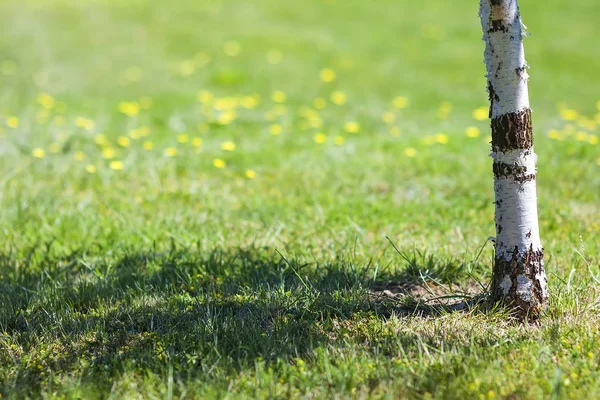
{"x":12,"y":122}
{"x":46,"y":101}
{"x":339,"y":140}
{"x":116,"y":165}
{"x":123,"y":141}
{"x":400,"y":102}
{"x":170,"y":151}
{"x":204,"y":96}
{"x":129,"y":108}
{"x":569,"y":114}
{"x":554,"y":134}
{"x":249,"y":102}
{"x":593,"y":139}
{"x":79,"y":155}
{"x":278,"y":96}
{"x":108,"y":153}
{"x":91,"y":169}
{"x":228,"y":145}
{"x":148,"y":145}
{"x":276,"y":129}
{"x":320,"y":138}
{"x":352,"y":127}
{"x":410,"y":152}
{"x":327,"y":75}
{"x":472,"y":132}
{"x":250,"y":174}
{"x":481,"y":113}
{"x":196,"y":142}
{"x":219,"y":163}
{"x":441,"y":138}
{"x":338,"y":98}
{"x":38,"y":153}
{"x":183,"y":138}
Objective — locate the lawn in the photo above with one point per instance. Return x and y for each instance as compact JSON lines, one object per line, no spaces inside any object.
{"x":277,"y":199}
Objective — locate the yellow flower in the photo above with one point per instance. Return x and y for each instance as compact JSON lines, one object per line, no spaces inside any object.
{"x":320,"y":138}
{"x":232,"y":48}
{"x":116,"y":165}
{"x":219,"y":163}
{"x":388,"y":117}
{"x":481,"y":113}
{"x":183,"y":138}
{"x":249,"y":102}
{"x":148,"y":145}
{"x":38,"y":153}
{"x":278,"y":96}
{"x":79,"y":156}
{"x":276,"y":129}
{"x":90,"y":169}
{"x":339,"y":140}
{"x":274,"y":57}
{"x":123,"y":141}
{"x":598,"y":105}
{"x":46,"y":101}
{"x":338,"y":98}
{"x":593,"y":139}
{"x":250,"y":174}
{"x":327,"y":75}
{"x":12,"y":122}
{"x":352,"y":127}
{"x":569,"y":114}
{"x":441,"y":138}
{"x":129,"y":108}
{"x":228,"y":145}
{"x":472,"y":132}
{"x":227,"y":117}
{"x":319,"y":103}
{"x":554,"y":134}
{"x":108,"y":153}
{"x":410,"y":152}
{"x":196,"y":142}
{"x":170,"y":151}
{"x":400,"y":102}
{"x":204,"y":96}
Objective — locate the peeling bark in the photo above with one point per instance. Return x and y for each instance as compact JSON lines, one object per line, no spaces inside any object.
{"x":518,"y":280}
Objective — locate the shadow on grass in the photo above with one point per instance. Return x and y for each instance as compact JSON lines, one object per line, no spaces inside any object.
{"x":215,"y":311}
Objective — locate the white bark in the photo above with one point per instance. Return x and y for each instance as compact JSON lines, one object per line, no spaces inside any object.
{"x":504,"y":54}
{"x":519,"y":275}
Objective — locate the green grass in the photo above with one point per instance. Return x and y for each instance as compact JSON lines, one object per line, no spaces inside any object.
{"x":159,"y":275}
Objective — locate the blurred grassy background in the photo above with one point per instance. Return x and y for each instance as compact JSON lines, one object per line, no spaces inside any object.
{"x":129,"y":129}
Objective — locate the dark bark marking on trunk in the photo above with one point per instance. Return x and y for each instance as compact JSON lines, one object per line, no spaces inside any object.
{"x":512,"y":131}
{"x":492,"y":96}
{"x":517,"y":172}
{"x":529,"y":265}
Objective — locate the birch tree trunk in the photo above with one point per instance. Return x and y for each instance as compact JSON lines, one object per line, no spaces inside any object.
{"x":518,"y":280}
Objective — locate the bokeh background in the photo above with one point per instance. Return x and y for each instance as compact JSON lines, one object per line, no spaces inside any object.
{"x":159,"y":158}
